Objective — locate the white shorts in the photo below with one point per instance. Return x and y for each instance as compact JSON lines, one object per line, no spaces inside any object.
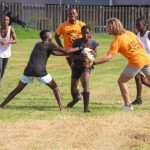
{"x":44,"y":80}
{"x":132,"y":71}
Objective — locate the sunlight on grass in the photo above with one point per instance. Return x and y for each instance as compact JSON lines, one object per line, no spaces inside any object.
{"x":38,"y":102}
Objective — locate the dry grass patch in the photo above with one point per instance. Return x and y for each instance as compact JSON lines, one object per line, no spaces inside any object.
{"x":125,"y":130}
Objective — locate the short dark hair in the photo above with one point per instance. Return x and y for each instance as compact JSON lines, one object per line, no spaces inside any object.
{"x":43,"y":35}
{"x":86,"y":27}
{"x":141,"y":20}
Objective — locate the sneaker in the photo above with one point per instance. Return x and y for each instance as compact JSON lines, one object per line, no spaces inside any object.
{"x":137,"y":101}
{"x":127,"y":107}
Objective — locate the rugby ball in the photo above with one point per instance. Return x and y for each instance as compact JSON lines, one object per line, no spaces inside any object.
{"x":87,"y":51}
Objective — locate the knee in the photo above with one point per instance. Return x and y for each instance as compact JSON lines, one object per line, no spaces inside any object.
{"x":119,"y":81}
{"x":53,"y":85}
{"x":138,"y":77}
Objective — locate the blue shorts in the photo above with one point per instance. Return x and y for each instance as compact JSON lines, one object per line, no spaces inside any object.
{"x":29,"y":79}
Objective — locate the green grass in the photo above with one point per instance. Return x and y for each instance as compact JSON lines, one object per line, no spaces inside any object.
{"x":37,"y":101}
{"x":26,"y":33}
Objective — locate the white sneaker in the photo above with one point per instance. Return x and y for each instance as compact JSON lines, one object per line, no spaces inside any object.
{"x":127,"y":107}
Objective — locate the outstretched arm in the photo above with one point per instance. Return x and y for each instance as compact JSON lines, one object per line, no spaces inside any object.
{"x":67,"y":51}
{"x":104,"y":59}
{"x":57,"y":53}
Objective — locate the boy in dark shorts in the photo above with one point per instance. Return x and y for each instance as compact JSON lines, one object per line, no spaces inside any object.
{"x":79,"y":70}
{"x":36,"y":67}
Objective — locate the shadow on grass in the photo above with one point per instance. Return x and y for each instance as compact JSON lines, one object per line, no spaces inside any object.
{"x":40,"y":108}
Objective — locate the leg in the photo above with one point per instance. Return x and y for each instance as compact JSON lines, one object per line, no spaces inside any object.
{"x":86,"y":92}
{"x":3,"y":64}
{"x":74,"y":92}
{"x":70,"y":63}
{"x":138,"y":81}
{"x":52,"y":84}
{"x":16,"y":91}
{"x":148,"y":78}
{"x":145,"y":81}
{"x":76,"y":74}
{"x":124,"y":88}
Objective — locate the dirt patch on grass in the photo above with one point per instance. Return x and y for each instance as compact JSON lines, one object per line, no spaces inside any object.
{"x":120,"y":131}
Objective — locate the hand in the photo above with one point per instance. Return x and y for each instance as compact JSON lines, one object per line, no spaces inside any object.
{"x":87,"y":64}
{"x":4,"y":42}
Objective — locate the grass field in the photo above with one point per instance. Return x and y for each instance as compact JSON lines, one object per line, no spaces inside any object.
{"x":32,"y":120}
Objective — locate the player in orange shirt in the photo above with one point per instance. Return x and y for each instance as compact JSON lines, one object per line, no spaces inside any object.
{"x":128,"y":44}
{"x":71,"y":30}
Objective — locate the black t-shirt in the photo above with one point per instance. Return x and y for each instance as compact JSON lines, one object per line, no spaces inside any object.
{"x":78,"y":63}
{"x":37,"y":63}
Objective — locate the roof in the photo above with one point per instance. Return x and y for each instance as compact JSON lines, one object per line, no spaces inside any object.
{"x":66,"y":2}
{"x":131,"y":2}
{"x":83,"y":2}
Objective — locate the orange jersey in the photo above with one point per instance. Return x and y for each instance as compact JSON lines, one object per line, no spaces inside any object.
{"x":70,"y":32}
{"x":130,"y":47}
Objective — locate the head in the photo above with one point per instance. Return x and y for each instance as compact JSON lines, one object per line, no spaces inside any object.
{"x":140,"y":24}
{"x":73,"y":15}
{"x":86,"y":32}
{"x":45,"y":35}
{"x":5,"y":21}
{"x":115,"y":27}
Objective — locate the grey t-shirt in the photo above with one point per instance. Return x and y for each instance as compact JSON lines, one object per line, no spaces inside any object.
{"x":37,"y":63}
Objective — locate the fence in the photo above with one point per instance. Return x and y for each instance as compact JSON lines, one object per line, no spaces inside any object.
{"x":50,"y":16}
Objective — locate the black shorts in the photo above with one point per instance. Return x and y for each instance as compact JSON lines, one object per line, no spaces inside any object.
{"x":77,"y":72}
{"x":69,"y":60}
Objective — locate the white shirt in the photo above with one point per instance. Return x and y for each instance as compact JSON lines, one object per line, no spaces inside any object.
{"x":5,"y":50}
{"x":145,"y":40}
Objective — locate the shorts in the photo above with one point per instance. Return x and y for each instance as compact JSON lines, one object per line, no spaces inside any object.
{"x":132,"y":71}
{"x":69,"y":60}
{"x":29,"y":79}
{"x":77,"y":72}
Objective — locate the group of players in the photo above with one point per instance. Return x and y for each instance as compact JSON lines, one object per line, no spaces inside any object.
{"x":77,"y":37}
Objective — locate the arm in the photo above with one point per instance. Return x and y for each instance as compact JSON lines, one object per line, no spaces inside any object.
{"x":57,"y":53}
{"x":67,"y":51}
{"x":149,"y":35}
{"x":58,"y":41}
{"x":104,"y":59}
{"x":93,"y":52}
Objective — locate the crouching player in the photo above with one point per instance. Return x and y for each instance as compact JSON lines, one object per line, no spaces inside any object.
{"x":79,"y":70}
{"x":36,"y":67}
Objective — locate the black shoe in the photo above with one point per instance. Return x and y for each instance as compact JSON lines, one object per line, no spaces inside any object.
{"x":137,"y":101}
{"x":72,"y":103}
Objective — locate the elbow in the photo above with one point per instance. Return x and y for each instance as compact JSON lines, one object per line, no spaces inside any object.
{"x":56,"y":36}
